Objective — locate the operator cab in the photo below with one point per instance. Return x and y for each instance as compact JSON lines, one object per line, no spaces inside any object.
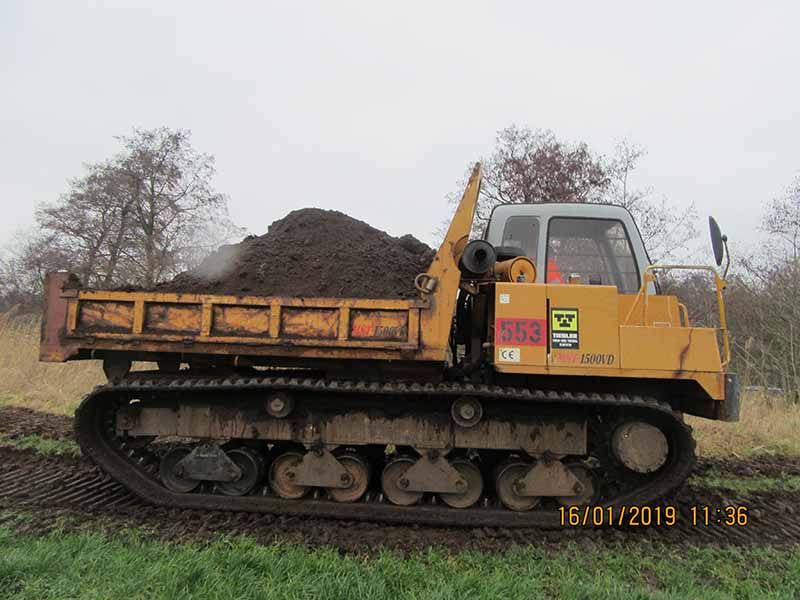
{"x":590,"y":244}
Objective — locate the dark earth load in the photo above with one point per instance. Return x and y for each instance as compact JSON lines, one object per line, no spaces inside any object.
{"x":312,"y":252}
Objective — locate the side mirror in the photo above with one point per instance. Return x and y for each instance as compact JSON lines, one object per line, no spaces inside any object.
{"x":717,"y":241}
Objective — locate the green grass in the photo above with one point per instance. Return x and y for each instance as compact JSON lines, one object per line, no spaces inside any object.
{"x":127,"y":567}
{"x":747,"y":485}
{"x":41,"y":444}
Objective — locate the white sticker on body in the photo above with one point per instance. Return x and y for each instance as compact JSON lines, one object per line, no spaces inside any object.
{"x":505,"y":298}
{"x":507,"y":354}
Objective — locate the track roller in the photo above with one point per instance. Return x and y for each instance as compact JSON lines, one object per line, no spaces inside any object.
{"x":359,"y":478}
{"x":168,"y":472}
{"x":282,"y":475}
{"x":395,"y":485}
{"x":252,"y":467}
{"x":474,"y":488}
{"x":507,"y":485}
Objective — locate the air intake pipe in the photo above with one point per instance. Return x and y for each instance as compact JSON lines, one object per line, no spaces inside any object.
{"x":478,"y":258}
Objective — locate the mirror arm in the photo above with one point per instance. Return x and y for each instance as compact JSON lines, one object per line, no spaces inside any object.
{"x":727,"y":257}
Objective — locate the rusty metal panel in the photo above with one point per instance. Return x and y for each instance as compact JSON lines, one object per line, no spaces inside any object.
{"x":315,"y":323}
{"x":147,"y":421}
{"x":390,"y":325}
{"x":193,"y":421}
{"x":58,"y":311}
{"x":112,"y":317}
{"x":431,"y":430}
{"x":173,"y":318}
{"x":535,"y":437}
{"x":236,"y":320}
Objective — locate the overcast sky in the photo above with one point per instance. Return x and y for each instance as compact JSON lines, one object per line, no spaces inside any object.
{"x":377,"y":108}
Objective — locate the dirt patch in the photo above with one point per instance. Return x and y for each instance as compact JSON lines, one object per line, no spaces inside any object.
{"x":18,"y":422}
{"x":756,"y":466}
{"x":68,"y":493}
{"x":312,"y":252}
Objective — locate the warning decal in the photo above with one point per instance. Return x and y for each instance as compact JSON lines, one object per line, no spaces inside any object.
{"x":564,"y":331}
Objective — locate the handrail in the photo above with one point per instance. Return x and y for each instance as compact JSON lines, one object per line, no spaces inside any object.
{"x":649,"y":277}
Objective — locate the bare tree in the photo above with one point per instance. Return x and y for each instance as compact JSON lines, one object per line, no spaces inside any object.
{"x":782,"y":222}
{"x":168,"y":185}
{"x":143,"y":216}
{"x":23,"y":266}
{"x":665,"y":228}
{"x":530,"y":166}
{"x":91,"y":223}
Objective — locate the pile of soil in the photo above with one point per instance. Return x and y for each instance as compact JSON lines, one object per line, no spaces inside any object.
{"x":312,"y":252}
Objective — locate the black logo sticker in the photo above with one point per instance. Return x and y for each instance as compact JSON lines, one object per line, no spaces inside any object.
{"x":564,"y":330}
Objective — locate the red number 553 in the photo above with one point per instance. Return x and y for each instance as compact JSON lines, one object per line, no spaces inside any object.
{"x":520,"y":332}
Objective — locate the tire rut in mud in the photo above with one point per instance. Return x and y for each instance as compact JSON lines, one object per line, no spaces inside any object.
{"x":70,"y":493}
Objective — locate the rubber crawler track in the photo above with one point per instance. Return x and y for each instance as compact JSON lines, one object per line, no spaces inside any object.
{"x":92,"y":435}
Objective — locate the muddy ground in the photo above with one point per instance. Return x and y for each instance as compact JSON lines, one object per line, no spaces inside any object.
{"x":64,"y":492}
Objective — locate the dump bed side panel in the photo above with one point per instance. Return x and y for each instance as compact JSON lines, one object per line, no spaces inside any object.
{"x":218,"y":324}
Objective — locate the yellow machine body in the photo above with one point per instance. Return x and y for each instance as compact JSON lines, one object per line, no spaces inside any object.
{"x":582,"y":330}
{"x":532,"y":329}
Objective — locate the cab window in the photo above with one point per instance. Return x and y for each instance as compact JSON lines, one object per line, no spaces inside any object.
{"x":598,"y":251}
{"x":522,"y":232}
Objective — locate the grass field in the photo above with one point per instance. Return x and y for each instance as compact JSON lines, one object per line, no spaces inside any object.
{"x":129,"y":565}
{"x":126,"y":567}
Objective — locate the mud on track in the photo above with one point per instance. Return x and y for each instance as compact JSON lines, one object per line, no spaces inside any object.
{"x":70,"y":493}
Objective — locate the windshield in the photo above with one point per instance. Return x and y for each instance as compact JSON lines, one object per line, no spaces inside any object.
{"x":598,"y":251}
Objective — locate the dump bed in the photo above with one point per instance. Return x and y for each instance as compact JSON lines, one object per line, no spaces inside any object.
{"x":151,"y":325}
{"x":79,"y":321}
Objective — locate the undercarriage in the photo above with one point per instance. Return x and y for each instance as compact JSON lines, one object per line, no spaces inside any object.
{"x":440,"y":453}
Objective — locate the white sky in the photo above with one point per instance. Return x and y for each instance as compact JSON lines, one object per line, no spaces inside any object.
{"x":377,"y":108}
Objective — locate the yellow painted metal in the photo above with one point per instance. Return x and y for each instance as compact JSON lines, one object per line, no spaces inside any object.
{"x":662,"y":311}
{"x":597,"y":313}
{"x":325,"y":322}
{"x":435,"y":323}
{"x":520,"y":324}
{"x":674,"y":349}
{"x":643,"y":297}
{"x":594,"y":341}
{"x":536,"y":329}
{"x":518,"y":269}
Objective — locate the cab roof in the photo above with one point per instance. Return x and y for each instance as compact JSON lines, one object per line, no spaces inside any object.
{"x":563,"y":209}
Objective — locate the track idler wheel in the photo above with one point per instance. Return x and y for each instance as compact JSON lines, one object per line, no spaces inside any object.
{"x":640,"y":446}
{"x":473,"y":489}
{"x":282,"y":475}
{"x":359,"y":473}
{"x":395,"y":484}
{"x":168,"y":472}
{"x":507,"y":486}
{"x":252,"y":467}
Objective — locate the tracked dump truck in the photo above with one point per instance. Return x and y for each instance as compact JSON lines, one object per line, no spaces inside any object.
{"x":539,"y":367}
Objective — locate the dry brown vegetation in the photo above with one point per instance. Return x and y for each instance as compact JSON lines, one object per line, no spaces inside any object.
{"x":769,"y":423}
{"x":25,"y":381}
